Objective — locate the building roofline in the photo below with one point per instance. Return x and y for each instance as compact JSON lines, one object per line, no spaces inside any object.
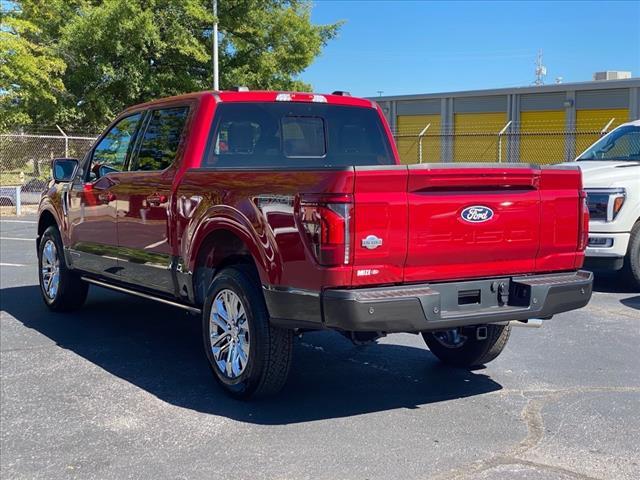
{"x":560,"y":87}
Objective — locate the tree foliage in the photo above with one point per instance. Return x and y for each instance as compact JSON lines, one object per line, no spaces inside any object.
{"x":78,"y":62}
{"x":30,"y":74}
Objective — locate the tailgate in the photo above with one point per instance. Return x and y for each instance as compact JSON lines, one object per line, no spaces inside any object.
{"x":450,"y":221}
{"x":472,"y":222}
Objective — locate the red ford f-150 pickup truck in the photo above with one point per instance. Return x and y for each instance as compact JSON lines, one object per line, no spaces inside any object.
{"x":274,"y":213}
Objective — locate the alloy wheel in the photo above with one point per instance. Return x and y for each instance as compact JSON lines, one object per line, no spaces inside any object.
{"x":229,"y":334}
{"x":50,"y":269}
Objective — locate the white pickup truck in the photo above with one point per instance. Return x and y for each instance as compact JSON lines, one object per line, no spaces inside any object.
{"x":611,"y":178}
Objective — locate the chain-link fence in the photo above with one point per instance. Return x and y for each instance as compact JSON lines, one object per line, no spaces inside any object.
{"x":25,"y":158}
{"x":25,"y":163}
{"x":513,"y":142}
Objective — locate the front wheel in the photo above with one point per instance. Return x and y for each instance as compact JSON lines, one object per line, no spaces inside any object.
{"x":61,"y":288}
{"x":249,"y":357}
{"x":468,"y":347}
{"x":632,"y":260}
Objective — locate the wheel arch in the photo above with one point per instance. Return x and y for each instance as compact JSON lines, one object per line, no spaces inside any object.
{"x":46,"y":219}
{"x":224,"y":244}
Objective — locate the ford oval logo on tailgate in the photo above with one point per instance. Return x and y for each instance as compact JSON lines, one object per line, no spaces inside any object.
{"x":477,"y":214}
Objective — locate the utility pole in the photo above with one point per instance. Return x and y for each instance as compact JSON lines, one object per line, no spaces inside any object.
{"x":216,"y":84}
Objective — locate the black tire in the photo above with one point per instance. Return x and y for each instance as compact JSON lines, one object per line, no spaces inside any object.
{"x":632,"y":259}
{"x":71,"y":291}
{"x":270,"y":348}
{"x":471,"y":352}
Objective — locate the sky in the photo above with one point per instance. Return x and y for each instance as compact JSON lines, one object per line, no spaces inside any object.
{"x":404,"y":47}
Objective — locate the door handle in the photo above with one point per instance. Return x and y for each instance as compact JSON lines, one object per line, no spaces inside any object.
{"x":106,"y":197}
{"x":156,"y":199}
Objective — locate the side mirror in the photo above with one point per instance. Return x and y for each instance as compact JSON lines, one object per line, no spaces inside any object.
{"x":64,"y":169}
{"x":105,"y":169}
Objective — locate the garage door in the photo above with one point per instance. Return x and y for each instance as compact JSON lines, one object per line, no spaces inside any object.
{"x":590,"y":122}
{"x":409,"y":126}
{"x":542,"y":136}
{"x":475,"y":136}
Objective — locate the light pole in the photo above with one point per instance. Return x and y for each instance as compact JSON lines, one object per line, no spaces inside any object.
{"x":216,"y":84}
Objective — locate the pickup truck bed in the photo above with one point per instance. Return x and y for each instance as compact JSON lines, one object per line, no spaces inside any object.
{"x":270,"y":213}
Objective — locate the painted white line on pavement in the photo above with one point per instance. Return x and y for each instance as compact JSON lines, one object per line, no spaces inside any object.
{"x":154,"y":245}
{"x":18,"y":221}
{"x":16,"y":238}
{"x":12,"y":265}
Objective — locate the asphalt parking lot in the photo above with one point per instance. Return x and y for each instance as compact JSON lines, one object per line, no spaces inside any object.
{"x":121,"y":389}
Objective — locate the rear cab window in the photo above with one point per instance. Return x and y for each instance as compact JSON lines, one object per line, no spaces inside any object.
{"x":296,"y":135}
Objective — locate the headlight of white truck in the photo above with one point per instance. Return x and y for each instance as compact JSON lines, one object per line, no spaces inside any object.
{"x":605,"y":203}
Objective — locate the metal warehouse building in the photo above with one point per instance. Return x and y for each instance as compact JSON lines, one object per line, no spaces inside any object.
{"x":537,"y":124}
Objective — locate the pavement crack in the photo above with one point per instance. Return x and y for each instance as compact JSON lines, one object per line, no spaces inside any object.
{"x":532,"y":418}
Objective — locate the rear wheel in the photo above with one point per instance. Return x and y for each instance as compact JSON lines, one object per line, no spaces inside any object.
{"x":468,"y":346}
{"x":61,"y":288}
{"x":249,"y":357}
{"x":632,"y":260}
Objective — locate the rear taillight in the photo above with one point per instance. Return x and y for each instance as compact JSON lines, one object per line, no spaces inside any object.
{"x":325,"y":221}
{"x":583,"y":222}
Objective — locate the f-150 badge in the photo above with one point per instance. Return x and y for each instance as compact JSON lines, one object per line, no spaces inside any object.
{"x":476,"y":214}
{"x":371,"y":242}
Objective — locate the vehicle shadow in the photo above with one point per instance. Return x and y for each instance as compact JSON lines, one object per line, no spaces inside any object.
{"x":159,"y":349}
{"x":612,"y":282}
{"x":631,"y":302}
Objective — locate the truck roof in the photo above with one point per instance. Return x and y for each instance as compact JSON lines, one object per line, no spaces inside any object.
{"x":635,"y":123}
{"x":265,"y":96}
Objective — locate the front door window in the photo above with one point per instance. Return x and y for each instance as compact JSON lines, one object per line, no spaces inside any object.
{"x":110,"y":155}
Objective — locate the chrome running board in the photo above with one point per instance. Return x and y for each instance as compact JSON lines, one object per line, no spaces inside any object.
{"x":142,"y":295}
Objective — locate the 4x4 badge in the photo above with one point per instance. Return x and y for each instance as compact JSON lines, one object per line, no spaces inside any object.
{"x":371,"y":242}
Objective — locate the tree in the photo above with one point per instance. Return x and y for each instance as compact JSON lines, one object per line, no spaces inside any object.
{"x":106,"y":55}
{"x":30,"y":75}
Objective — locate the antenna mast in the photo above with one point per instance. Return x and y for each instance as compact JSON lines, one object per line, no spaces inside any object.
{"x":541,"y":70}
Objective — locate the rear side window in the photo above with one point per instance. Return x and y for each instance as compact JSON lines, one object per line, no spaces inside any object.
{"x":296,"y":135}
{"x":161,"y":140}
